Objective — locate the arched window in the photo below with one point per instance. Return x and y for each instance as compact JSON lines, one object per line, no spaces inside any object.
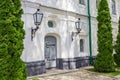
{"x":113,"y":7}
{"x":82,"y":2}
{"x":81,"y":45}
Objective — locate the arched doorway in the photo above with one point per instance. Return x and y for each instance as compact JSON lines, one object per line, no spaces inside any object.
{"x":50,"y":51}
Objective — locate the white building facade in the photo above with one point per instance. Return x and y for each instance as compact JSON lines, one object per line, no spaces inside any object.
{"x":54,"y":46}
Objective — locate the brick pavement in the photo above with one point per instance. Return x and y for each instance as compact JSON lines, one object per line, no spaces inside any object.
{"x":76,"y":74}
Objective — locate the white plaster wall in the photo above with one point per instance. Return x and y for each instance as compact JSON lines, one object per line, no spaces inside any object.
{"x":114,"y":19}
{"x":64,"y":13}
{"x":114,"y":31}
{"x":69,"y":5}
{"x":94,"y":9}
{"x":94,"y":29}
{"x":64,"y":26}
{"x":119,"y":7}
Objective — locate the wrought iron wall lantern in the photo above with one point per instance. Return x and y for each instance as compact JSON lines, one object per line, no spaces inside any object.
{"x":38,"y":16}
{"x":78,"y":28}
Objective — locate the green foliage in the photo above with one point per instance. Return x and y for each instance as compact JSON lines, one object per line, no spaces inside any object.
{"x":104,"y":61}
{"x":35,"y":78}
{"x":11,"y":41}
{"x":117,"y":47}
{"x":116,"y":73}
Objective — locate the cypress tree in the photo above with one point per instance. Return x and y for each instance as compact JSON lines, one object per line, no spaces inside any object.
{"x":117,"y":47}
{"x":104,"y":61}
{"x":11,"y":41}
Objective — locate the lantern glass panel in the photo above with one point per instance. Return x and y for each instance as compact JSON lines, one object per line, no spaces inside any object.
{"x":78,"y":26}
{"x":35,"y":18}
{"x":38,"y":17}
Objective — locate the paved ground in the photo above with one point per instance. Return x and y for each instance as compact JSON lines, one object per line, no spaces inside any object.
{"x":77,"y":74}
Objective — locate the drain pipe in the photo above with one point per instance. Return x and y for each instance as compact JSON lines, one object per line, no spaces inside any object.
{"x":90,"y":39}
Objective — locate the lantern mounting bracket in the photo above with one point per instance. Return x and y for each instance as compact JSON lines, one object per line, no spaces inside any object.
{"x":33,"y":31}
{"x":74,"y":34}
{"x":78,"y":28}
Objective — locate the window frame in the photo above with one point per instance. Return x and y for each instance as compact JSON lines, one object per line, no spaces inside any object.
{"x":82,"y":2}
{"x":51,"y":23}
{"x":113,"y":6}
{"x":82,"y":45}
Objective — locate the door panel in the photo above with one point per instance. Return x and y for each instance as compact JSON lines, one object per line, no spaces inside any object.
{"x":50,"y":51}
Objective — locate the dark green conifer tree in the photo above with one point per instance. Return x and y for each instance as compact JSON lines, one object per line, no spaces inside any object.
{"x":104,"y":61}
{"x":11,"y":41}
{"x":117,"y":47}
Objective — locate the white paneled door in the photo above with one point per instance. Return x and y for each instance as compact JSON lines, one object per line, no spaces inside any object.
{"x":50,"y":51}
